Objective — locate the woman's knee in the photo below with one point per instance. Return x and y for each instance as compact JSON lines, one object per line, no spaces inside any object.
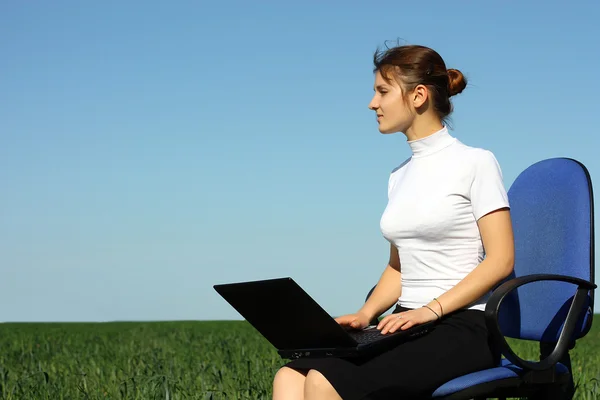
{"x":317,"y":386}
{"x":287,"y":374}
{"x":288,"y":381}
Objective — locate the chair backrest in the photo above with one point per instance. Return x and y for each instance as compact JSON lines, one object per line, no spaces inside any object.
{"x":552,"y":211}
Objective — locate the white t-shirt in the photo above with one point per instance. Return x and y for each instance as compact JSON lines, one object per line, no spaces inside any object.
{"x":434,"y":201}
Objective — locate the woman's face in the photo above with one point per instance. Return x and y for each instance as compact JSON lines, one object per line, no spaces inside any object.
{"x":393,"y":114}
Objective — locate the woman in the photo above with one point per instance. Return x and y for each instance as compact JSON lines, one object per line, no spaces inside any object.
{"x":446,"y":204}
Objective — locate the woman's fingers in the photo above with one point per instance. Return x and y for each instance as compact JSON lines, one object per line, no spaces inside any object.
{"x":355,"y":323}
{"x":351,"y":320}
{"x":405,"y":320}
{"x":408,"y":324}
{"x":392,"y":323}
{"x":344,"y":320}
{"x":385,"y":320}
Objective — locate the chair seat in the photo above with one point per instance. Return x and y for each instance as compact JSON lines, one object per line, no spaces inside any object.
{"x":506,"y":370}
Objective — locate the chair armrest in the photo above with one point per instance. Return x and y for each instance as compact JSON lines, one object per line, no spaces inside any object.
{"x":493,"y":306}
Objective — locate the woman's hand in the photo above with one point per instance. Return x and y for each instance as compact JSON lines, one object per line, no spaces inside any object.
{"x":354,"y":321}
{"x":405,"y":320}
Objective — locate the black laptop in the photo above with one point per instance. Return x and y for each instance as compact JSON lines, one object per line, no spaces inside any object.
{"x":298,"y":327}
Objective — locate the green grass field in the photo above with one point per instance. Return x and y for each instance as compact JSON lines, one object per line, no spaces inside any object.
{"x":170,"y":360}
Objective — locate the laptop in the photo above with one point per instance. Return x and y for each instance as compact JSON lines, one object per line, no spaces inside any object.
{"x":298,"y":327}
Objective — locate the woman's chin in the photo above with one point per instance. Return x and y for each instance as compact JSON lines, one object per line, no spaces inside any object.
{"x":386,"y":130}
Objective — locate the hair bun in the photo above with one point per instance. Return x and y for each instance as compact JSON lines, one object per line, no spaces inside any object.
{"x":456,"y":82}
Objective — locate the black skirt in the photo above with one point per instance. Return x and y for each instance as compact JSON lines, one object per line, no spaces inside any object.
{"x":457,"y":345}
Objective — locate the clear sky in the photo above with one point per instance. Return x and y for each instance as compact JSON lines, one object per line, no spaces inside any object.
{"x":149,"y":150}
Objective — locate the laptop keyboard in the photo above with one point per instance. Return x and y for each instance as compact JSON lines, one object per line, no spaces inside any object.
{"x":367,"y":335}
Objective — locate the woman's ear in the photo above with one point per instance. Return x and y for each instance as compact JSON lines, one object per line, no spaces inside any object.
{"x":419,"y":95}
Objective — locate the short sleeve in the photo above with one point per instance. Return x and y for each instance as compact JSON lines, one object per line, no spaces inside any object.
{"x":391,"y":183}
{"x":487,"y":189}
{"x":394,"y":176}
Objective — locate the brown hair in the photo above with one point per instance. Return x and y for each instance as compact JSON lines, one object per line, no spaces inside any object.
{"x":414,"y":65}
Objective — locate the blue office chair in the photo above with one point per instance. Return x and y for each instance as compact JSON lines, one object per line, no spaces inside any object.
{"x":549,"y":297}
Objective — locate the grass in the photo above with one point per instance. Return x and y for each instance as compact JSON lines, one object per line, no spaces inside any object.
{"x":171,"y":360}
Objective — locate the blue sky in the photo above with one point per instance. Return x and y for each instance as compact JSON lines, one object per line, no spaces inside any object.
{"x":149,"y":150}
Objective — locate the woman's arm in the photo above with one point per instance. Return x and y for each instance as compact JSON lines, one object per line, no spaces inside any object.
{"x":388,"y":288}
{"x":498,"y":242}
{"x":386,"y":293}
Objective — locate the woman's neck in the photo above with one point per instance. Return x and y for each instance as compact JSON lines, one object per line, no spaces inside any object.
{"x":423,"y":127}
